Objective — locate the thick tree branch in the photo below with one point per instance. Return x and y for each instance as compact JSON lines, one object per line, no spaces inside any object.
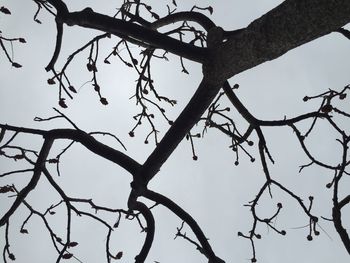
{"x":90,"y":19}
{"x":200,"y":101}
{"x":88,"y":141}
{"x":289,"y":25}
{"x":96,"y":147}
{"x":59,"y":36}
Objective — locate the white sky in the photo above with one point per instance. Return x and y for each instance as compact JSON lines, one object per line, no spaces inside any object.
{"x":211,"y":189}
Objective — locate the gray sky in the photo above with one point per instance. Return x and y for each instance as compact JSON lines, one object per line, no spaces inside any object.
{"x":212,"y":189}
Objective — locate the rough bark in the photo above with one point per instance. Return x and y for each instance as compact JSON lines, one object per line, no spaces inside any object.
{"x":289,"y":25}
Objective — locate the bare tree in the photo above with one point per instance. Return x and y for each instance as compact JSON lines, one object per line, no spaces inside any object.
{"x":190,"y":35}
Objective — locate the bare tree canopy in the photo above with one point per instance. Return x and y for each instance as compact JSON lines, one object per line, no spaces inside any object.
{"x":142,"y":36}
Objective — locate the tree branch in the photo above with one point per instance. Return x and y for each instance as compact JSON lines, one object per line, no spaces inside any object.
{"x":177,"y":210}
{"x":59,"y":26}
{"x":88,"y":141}
{"x":289,"y":25}
{"x":90,"y":19}
{"x":190,"y":115}
{"x":199,"y":18}
{"x":39,"y":165}
{"x":133,"y":204}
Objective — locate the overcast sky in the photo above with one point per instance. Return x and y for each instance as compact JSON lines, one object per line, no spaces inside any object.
{"x":213,"y":190}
